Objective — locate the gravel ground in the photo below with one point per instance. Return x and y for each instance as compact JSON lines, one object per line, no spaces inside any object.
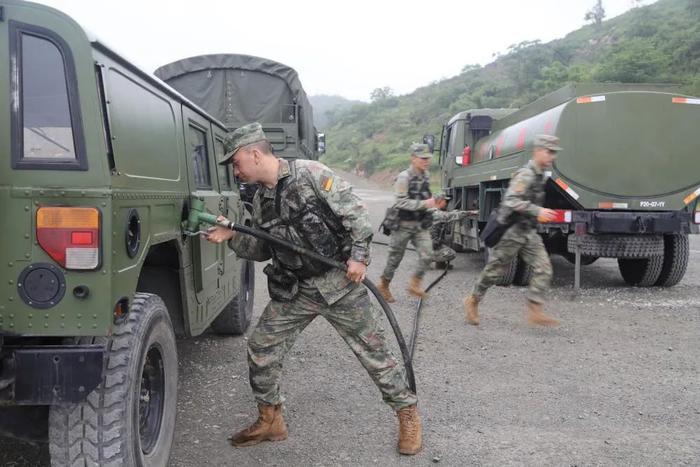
{"x":616,"y":384}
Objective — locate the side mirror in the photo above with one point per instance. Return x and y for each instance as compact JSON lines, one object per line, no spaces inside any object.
{"x":321,"y":143}
{"x":430,"y":141}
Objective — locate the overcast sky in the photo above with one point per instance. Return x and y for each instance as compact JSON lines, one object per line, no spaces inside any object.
{"x":346,"y":47}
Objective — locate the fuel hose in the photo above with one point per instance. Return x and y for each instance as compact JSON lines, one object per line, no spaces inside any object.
{"x":419,"y":306}
{"x":408,"y":364}
{"x":419,"y":309}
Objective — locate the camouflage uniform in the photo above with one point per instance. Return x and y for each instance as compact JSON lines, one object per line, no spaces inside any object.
{"x":331,"y":294}
{"x":523,"y":201}
{"x":441,"y":221}
{"x":411,"y":190}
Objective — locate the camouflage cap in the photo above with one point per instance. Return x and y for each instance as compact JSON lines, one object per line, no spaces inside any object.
{"x":247,"y":134}
{"x":548,"y":142}
{"x":421,"y":150}
{"x":442,"y":195}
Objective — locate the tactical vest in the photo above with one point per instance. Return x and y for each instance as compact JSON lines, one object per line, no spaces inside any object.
{"x":418,"y":188}
{"x":535,"y":195}
{"x":307,"y":222}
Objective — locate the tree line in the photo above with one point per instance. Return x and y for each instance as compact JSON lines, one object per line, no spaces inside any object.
{"x":658,"y":43}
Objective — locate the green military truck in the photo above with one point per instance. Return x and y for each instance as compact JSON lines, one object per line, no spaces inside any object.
{"x":625,"y":186}
{"x":100,"y":163}
{"x":239,"y":89}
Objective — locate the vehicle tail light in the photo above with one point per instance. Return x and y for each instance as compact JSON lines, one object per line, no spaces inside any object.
{"x":562,"y":216}
{"x":70,"y":235}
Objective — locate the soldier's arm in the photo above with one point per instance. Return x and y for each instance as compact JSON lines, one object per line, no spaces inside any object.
{"x":338,"y":195}
{"x":440,"y":216}
{"x":402,"y":201}
{"x":249,"y":247}
{"x":515,"y":199}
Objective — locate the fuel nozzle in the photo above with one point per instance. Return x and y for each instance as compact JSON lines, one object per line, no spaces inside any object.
{"x":198,"y":215}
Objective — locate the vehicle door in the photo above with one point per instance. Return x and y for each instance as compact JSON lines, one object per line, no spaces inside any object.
{"x":230,"y":202}
{"x":207,"y":261}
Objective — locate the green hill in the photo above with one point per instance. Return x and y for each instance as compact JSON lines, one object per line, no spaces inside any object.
{"x":327,"y":107}
{"x":656,"y":43}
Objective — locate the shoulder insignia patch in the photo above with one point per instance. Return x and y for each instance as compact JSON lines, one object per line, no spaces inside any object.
{"x":519,"y":187}
{"x":326,"y":182}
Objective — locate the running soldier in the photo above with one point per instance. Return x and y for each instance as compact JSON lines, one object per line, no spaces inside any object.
{"x":413,"y":200}
{"x":521,"y":207}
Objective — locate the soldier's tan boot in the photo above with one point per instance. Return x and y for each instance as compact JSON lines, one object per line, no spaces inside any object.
{"x":415,"y":289}
{"x":410,"y":431}
{"x":269,"y":426}
{"x":384,"y":290}
{"x":471,"y":310}
{"x":537,"y":317}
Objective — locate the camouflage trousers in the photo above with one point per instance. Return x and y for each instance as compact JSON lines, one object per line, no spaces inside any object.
{"x":409,"y":231}
{"x":523,"y":242}
{"x":357,"y":322}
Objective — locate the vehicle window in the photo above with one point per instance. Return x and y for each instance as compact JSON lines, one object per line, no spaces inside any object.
{"x":224,"y":170}
{"x":199,"y":158}
{"x":448,"y":135}
{"x":46,"y":118}
{"x":453,"y":146}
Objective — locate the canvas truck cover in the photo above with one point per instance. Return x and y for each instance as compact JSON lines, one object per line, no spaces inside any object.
{"x":239,"y":89}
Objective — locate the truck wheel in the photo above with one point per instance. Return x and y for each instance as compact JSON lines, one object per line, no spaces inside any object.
{"x":617,"y":246}
{"x":642,"y":272}
{"x":523,"y":273}
{"x":130,"y":418}
{"x":507,"y":278}
{"x":234,"y":319}
{"x":676,"y":251}
{"x":585,"y":259}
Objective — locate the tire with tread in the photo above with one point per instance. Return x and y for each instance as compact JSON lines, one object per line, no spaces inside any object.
{"x":507,"y":278}
{"x":641,"y":272}
{"x":104,"y":430}
{"x":234,"y":319}
{"x":617,"y":246}
{"x":676,"y":252}
{"x":523,"y":273}
{"x":585,"y":259}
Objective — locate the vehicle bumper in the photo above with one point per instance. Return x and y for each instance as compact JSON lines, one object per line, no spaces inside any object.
{"x":618,"y":222}
{"x":50,"y":375}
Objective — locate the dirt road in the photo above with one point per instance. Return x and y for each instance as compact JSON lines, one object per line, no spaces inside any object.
{"x":616,"y":384}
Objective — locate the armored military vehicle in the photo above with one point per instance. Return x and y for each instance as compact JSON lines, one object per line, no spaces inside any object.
{"x":625,"y":186}
{"x":239,"y":89}
{"x":100,"y":161}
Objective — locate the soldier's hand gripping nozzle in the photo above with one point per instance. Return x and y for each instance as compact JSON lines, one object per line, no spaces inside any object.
{"x":198,"y":215}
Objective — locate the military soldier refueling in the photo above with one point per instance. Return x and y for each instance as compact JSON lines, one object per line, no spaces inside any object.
{"x":520,"y":210}
{"x":305,"y":203}
{"x":442,"y":219}
{"x":413,"y":201}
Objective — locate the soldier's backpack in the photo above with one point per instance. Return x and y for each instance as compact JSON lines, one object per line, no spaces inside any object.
{"x":494,"y":230}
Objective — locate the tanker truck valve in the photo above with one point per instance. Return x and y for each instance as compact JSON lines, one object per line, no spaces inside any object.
{"x":198,"y":215}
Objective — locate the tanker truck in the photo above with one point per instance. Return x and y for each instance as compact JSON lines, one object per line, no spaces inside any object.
{"x":625,"y":186}
{"x":240,"y":89}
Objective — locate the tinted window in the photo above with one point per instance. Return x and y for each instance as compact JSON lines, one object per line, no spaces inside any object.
{"x":46,"y":119}
{"x":199,"y":158}
{"x":224,"y":170}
